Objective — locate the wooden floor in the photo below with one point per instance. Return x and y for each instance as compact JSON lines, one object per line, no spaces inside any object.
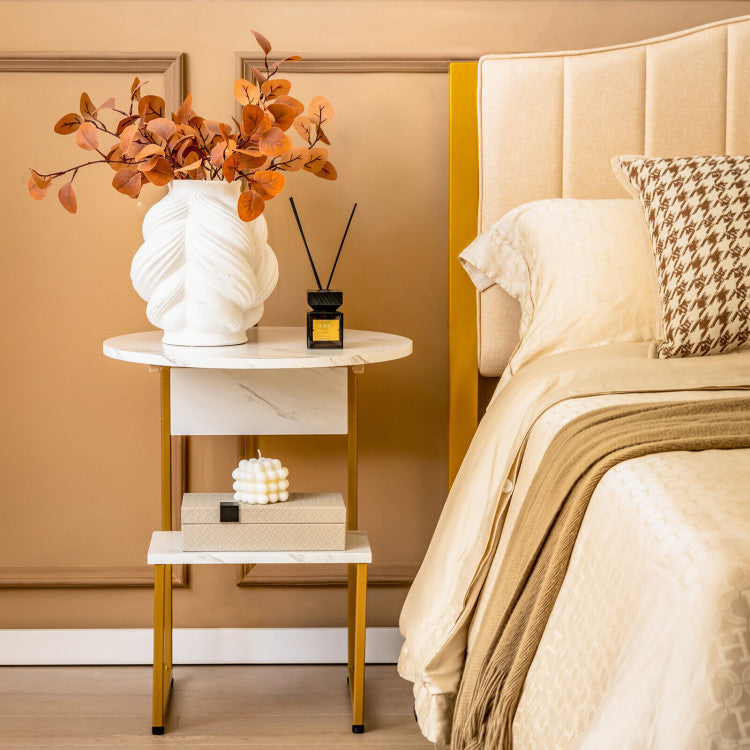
{"x":293,"y":707}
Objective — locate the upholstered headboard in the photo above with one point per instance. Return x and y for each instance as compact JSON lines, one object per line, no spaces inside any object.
{"x":549,"y":123}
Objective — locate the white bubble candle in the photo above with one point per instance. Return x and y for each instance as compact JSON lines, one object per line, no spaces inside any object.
{"x":260,"y":481}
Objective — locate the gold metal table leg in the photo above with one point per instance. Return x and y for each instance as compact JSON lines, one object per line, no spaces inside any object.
{"x":163,"y":573}
{"x":357,"y":670}
{"x":157,"y":724}
{"x":352,"y":429}
{"x":351,"y":508}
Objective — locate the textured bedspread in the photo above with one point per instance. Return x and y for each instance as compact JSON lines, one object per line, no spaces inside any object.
{"x":545,"y":532}
{"x":478,"y":517}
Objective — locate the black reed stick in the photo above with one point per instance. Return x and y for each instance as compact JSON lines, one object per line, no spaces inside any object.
{"x":299,"y":224}
{"x":346,"y":231}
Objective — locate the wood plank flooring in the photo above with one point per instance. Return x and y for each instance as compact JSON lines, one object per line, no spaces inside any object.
{"x":221,"y":707}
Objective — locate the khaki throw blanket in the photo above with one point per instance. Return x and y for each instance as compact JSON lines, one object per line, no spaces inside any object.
{"x":542,"y":542}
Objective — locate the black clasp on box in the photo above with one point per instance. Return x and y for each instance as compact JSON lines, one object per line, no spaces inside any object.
{"x":229,"y":512}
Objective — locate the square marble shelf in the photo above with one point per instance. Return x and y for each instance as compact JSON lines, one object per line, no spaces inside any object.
{"x":166,"y":549}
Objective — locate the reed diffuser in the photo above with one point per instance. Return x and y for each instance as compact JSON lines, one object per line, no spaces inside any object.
{"x":325,"y":323}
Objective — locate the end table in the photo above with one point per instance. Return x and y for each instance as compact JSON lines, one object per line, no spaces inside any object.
{"x":272,"y":385}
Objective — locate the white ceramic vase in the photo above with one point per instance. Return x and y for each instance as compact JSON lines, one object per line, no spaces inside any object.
{"x":202,"y":270}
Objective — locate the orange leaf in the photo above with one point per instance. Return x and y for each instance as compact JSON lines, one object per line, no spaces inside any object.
{"x":128,"y":182}
{"x":246,"y":92}
{"x":259,"y":77}
{"x":268,"y":184}
{"x":67,"y":197}
{"x":127,"y":135}
{"x":217,"y":154}
{"x":193,"y":162}
{"x":327,"y":172}
{"x":229,"y":166}
{"x":293,"y":160}
{"x":290,"y":101}
{"x":250,"y":205}
{"x":252,"y":117}
{"x":283,"y":114}
{"x":109,"y":104}
{"x":68,"y":124}
{"x":88,"y":110}
{"x":263,"y":43}
{"x":137,"y":145}
{"x":39,"y":181}
{"x":144,"y":165}
{"x":323,"y":137}
{"x":212,"y":126}
{"x":274,"y":142}
{"x":150,"y":107}
{"x":37,"y":191}
{"x":304,"y":127}
{"x":161,"y":173}
{"x":114,"y":157}
{"x":124,"y":123}
{"x":248,"y":161}
{"x":135,"y":89}
{"x":275,"y":87}
{"x":320,"y":111}
{"x":183,"y":113}
{"x":86,"y":137}
{"x":316,"y":158}
{"x":291,"y":58}
{"x":162,"y":127}
{"x":152,"y":149}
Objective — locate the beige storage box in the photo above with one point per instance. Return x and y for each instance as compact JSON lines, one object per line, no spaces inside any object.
{"x":306,"y":521}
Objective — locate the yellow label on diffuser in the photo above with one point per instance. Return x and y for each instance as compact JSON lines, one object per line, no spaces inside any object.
{"x":325,"y":330}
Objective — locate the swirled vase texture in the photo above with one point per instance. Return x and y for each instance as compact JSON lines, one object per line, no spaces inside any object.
{"x":203,"y":271}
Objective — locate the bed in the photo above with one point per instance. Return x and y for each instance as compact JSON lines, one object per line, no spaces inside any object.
{"x":646,"y":642}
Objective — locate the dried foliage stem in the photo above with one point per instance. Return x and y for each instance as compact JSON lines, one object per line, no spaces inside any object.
{"x":151,"y":148}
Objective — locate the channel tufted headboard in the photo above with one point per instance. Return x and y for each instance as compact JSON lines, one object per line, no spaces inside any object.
{"x":547,"y":127}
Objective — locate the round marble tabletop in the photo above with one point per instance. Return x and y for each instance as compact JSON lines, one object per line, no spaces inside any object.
{"x":267,"y":349}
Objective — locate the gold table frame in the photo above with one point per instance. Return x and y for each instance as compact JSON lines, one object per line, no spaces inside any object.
{"x":356,"y":572}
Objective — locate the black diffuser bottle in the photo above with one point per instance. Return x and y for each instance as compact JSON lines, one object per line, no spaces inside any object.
{"x":325,"y":323}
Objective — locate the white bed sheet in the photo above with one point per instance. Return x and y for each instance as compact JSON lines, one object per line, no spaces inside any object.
{"x":438,"y":611}
{"x":647,"y":643}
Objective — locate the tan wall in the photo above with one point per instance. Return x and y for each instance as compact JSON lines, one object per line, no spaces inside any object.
{"x":79,"y":444}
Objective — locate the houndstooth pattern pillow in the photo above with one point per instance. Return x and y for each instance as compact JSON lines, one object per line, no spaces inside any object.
{"x":698,"y":214}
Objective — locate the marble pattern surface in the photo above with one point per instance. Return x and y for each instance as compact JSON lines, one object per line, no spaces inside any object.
{"x":266,"y":349}
{"x":166,"y":549}
{"x":260,"y":402}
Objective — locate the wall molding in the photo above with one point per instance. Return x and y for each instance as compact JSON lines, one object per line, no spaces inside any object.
{"x":172,"y":66}
{"x":428,"y":63}
{"x":106,"y":576}
{"x":193,"y":646}
{"x":378,"y":574}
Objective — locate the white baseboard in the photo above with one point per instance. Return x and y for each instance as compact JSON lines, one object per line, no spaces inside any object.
{"x":194,"y":646}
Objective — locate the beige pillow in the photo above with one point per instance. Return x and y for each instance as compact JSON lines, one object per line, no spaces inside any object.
{"x":697,"y":212}
{"x":581,"y":269}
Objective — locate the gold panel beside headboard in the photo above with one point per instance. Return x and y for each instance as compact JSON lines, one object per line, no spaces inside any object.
{"x":546,"y":126}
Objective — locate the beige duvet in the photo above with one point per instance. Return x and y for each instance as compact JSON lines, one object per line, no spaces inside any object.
{"x":666,"y":539}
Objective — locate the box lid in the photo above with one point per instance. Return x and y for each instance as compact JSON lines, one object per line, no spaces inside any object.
{"x":301,"y":507}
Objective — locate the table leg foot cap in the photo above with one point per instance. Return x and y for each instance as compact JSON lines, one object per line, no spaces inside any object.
{"x":157,"y":730}
{"x":358,"y":728}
